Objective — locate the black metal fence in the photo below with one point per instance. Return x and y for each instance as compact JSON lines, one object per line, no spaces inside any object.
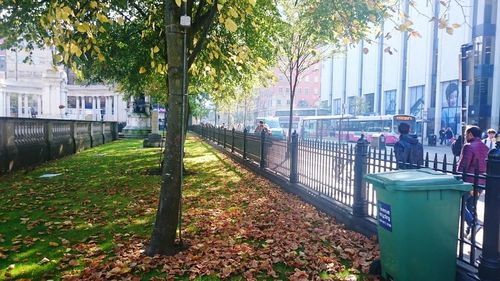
{"x":335,"y":171}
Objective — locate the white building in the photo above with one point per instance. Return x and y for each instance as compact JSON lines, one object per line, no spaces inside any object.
{"x":36,"y":88}
{"x":421,"y":76}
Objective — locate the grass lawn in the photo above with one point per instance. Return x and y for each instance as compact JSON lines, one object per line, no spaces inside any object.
{"x":93,"y":221}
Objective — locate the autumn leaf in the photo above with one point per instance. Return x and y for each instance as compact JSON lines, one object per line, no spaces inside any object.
{"x":230,"y":25}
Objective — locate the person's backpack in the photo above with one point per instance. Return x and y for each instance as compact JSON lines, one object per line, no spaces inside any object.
{"x":416,"y":154}
{"x":409,"y":156}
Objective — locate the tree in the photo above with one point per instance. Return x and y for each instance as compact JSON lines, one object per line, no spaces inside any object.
{"x":140,"y":46}
{"x":314,"y":29}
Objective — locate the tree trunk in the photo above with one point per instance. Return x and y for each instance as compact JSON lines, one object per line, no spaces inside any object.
{"x":167,"y":216}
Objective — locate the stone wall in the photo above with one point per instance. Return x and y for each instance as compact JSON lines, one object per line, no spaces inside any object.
{"x":28,"y":142}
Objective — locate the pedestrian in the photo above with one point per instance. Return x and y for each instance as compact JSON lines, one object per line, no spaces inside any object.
{"x":262,"y":127}
{"x":441,"y":136}
{"x":456,"y":146}
{"x":409,"y":152}
{"x":490,"y":140}
{"x":473,"y":156}
{"x":448,"y":136}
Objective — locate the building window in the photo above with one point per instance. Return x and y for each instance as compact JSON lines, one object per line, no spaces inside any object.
{"x":336,"y":106}
{"x":71,"y":102}
{"x":390,"y":102}
{"x":316,"y":79}
{"x":351,"y":103}
{"x":417,"y":101}
{"x":306,"y":91}
{"x":306,"y":78}
{"x":302,"y":103}
{"x":278,"y":102}
{"x":315,"y":91}
{"x":369,"y":101}
{"x":288,"y":102}
{"x":88,"y":102}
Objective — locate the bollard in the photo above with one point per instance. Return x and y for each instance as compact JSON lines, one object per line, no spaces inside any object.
{"x":245,"y":132}
{"x":360,"y":206}
{"x":263,"y":149}
{"x":294,"y":157}
{"x":489,"y":263}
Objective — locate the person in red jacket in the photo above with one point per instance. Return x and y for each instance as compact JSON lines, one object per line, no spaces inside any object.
{"x":474,"y":154}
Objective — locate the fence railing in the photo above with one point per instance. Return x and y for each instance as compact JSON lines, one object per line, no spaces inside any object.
{"x":335,"y":171}
{"x":27,"y":142}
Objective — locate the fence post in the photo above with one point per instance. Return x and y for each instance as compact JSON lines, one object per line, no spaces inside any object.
{"x":263,"y":149}
{"x":360,"y":206}
{"x":218,"y":135}
{"x":294,"y":153}
{"x":489,"y":264}
{"x":245,"y":131}
{"x":224,"y":139}
{"x":232,"y":140}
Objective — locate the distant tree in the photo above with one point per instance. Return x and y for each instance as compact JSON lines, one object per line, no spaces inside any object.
{"x":314,"y":29}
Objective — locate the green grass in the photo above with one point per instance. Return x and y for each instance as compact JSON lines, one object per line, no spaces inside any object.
{"x":105,"y":201}
{"x":94,"y":198}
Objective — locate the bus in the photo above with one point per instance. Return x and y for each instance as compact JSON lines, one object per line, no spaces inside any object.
{"x":350,"y":128}
{"x":298,"y":114}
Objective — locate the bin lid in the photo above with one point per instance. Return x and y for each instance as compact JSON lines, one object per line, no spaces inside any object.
{"x":417,"y":180}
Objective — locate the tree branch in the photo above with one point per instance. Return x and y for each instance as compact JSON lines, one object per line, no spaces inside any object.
{"x":204,"y":22}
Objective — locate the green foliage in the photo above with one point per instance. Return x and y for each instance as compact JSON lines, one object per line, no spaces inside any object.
{"x":230,"y":43}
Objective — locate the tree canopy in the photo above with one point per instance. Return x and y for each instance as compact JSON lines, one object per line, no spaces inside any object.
{"x":230,"y":43}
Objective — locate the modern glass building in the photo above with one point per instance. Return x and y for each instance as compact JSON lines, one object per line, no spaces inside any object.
{"x":419,"y":71}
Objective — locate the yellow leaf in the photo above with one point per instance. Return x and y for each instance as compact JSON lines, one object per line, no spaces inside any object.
{"x":156,"y":49}
{"x":93,"y":4}
{"x":455,"y":25}
{"x":57,"y":58}
{"x":219,"y":7}
{"x":120,"y":20}
{"x":178,"y":2}
{"x":230,"y":25}
{"x":233,"y":13}
{"x":142,"y":70}
{"x":449,"y":30}
{"x":252,"y":2}
{"x":53,"y":244}
{"x":82,"y":28}
{"x":102,"y":29}
{"x":102,"y":18}
{"x":101,"y":57}
{"x":74,"y":49}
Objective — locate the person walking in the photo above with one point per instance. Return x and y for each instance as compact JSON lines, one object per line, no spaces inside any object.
{"x":262,"y":127}
{"x":490,"y":140}
{"x":473,"y":156}
{"x":441,"y":136}
{"x":409,"y":152}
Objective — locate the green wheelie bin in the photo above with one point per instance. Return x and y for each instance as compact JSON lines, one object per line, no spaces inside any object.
{"x":418,"y":216}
